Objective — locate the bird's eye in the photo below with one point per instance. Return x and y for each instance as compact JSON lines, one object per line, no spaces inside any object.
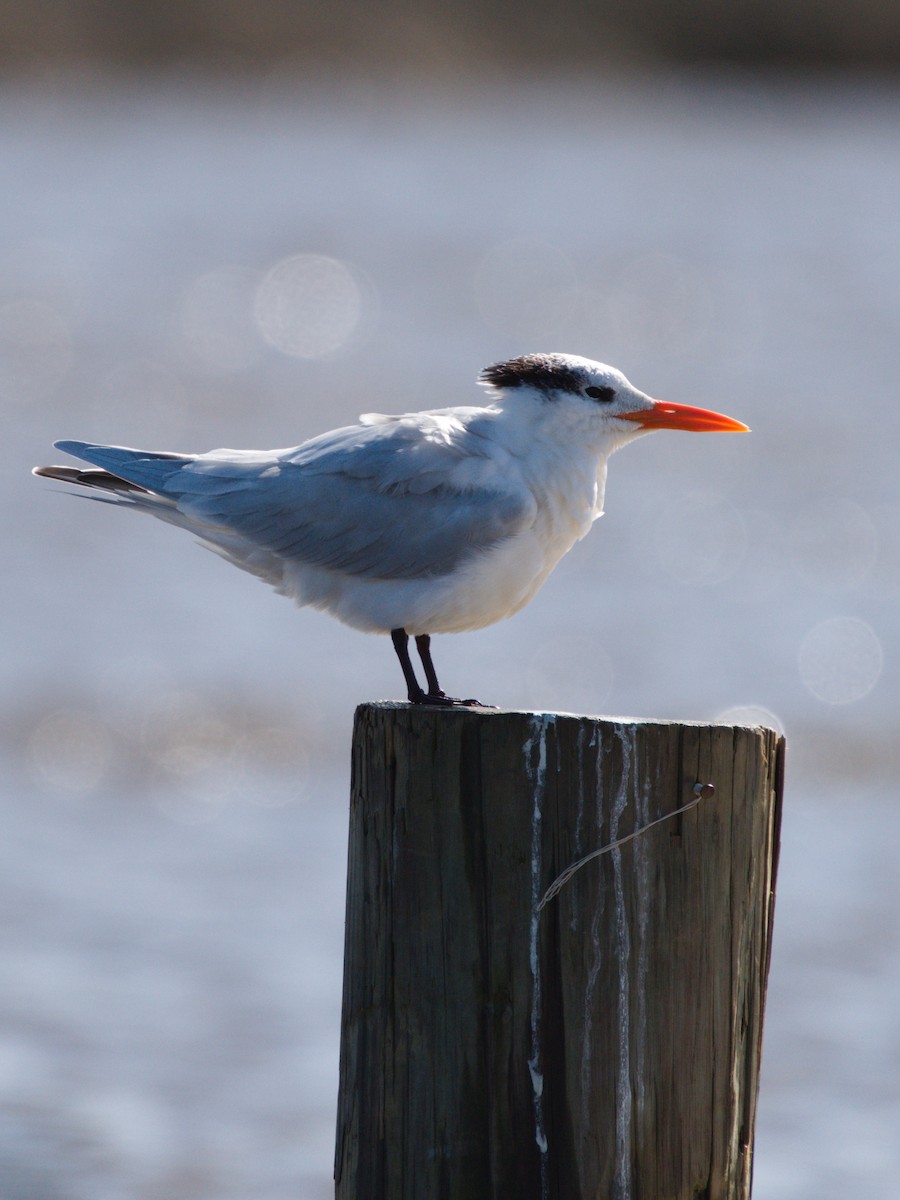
{"x":601,"y":393}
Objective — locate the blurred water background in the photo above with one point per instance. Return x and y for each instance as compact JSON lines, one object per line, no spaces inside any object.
{"x":242,"y":232}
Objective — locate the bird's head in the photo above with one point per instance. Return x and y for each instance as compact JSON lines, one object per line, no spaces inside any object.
{"x":593,"y":399}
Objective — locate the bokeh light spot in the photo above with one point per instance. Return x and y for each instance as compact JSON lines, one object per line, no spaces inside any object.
{"x":750,"y":714}
{"x":70,"y":752}
{"x":197,"y":756}
{"x":278,"y":750}
{"x":840,"y":660}
{"x":308,"y":305}
{"x":833,"y":543}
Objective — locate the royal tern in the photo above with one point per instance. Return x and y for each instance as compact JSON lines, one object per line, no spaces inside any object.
{"x":428,"y":522}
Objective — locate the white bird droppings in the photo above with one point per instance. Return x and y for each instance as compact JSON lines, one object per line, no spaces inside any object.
{"x":624,"y":1114}
{"x":536,"y":748}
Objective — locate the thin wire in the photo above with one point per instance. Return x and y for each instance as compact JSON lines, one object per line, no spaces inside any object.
{"x":559,"y":883}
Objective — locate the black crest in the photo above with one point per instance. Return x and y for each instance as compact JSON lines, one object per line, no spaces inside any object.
{"x":546,"y":372}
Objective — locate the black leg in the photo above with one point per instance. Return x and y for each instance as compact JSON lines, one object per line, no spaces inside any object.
{"x":423,"y":645}
{"x":400,"y":638}
{"x":434,"y":695}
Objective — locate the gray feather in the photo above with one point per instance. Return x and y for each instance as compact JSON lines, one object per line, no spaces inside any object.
{"x":368,"y":500}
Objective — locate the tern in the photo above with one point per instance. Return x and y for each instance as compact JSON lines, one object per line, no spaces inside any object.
{"x":423,"y":523}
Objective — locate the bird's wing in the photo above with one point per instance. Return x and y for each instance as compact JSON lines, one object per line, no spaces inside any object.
{"x":404,"y":498}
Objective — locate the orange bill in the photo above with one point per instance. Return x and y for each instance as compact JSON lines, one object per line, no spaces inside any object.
{"x":683,"y":416}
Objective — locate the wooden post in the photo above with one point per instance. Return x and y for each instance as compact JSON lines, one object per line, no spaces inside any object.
{"x":604,"y":1046}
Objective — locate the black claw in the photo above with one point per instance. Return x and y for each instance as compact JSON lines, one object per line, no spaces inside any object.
{"x":442,"y":700}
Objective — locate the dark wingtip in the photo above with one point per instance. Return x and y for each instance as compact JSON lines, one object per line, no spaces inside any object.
{"x":64,"y":473}
{"x":89,"y":478}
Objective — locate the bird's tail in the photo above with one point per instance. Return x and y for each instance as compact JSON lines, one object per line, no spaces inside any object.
{"x":135,"y":487}
{"x":152,"y":488}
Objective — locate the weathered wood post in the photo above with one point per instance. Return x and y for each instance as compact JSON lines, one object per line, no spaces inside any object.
{"x":604,"y":1045}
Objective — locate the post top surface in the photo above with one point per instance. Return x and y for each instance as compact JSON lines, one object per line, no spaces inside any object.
{"x":478,"y":713}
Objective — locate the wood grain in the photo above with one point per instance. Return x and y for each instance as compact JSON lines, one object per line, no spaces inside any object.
{"x":606,"y":1047}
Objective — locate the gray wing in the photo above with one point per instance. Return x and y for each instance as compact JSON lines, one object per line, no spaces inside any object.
{"x":377,"y":501}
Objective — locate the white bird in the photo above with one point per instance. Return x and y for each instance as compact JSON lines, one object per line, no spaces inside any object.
{"x":429,"y":522}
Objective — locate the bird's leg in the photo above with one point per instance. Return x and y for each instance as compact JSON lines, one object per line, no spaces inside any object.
{"x":400,"y":638}
{"x":423,"y":645}
{"x":436,"y":694}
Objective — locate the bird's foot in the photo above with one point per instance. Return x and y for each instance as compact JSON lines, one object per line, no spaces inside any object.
{"x":442,"y":700}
